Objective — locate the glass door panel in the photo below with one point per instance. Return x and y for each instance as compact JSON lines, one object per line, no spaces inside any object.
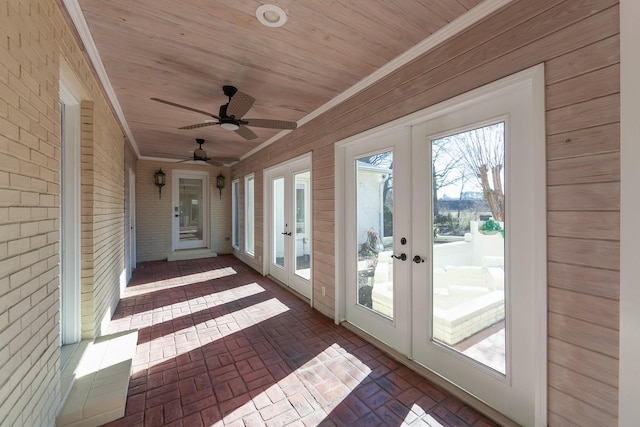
{"x":279,"y":225}
{"x":374,"y":227}
{"x":190,"y":205}
{"x":302,"y":182}
{"x":468,"y":292}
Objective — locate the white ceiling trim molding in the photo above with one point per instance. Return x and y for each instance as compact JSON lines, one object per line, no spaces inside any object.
{"x":453,"y":28}
{"x":75,"y":12}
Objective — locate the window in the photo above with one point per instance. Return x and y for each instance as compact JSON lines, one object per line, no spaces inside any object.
{"x":235,"y":226}
{"x":249,"y":238}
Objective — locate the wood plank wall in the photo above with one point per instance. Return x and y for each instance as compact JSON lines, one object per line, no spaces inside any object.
{"x":578,"y":40}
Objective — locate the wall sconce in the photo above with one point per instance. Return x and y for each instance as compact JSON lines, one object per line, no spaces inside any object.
{"x":220,"y":183}
{"x":159,"y":179}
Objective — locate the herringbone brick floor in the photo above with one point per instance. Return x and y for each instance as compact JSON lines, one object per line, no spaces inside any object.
{"x":220,"y":345}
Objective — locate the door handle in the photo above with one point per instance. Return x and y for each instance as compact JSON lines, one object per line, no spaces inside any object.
{"x":418,"y":259}
{"x":401,"y":257}
{"x":286,"y":234}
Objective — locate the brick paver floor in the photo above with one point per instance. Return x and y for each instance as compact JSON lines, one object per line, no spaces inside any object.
{"x":220,"y":345}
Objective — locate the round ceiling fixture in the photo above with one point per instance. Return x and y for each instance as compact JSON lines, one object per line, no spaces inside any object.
{"x":271,"y":15}
{"x":229,"y":126}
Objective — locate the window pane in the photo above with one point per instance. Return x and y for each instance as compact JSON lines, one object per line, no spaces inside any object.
{"x":235,"y":226}
{"x":249,"y":216}
{"x":303,"y":226}
{"x":375,"y":233}
{"x":191,"y":225}
{"x":278,"y":222}
{"x":468,"y":243}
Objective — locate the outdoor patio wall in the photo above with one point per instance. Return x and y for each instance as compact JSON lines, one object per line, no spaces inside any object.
{"x":34,"y":36}
{"x":578,"y":41}
{"x":154,"y":213}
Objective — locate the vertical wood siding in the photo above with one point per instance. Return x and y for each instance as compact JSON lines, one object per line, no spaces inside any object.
{"x":579,"y":43}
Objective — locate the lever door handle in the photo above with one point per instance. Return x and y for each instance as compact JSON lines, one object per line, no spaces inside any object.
{"x":418,"y":259}
{"x":401,"y":257}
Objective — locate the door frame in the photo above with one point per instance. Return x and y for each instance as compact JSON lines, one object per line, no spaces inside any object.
{"x":131,"y":261}
{"x":175,"y":203}
{"x":298,"y":163}
{"x":535,"y":77}
{"x":70,"y":206}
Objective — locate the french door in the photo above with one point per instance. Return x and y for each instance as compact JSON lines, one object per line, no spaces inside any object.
{"x":378,"y":238}
{"x":190,"y":209}
{"x":289,"y":215}
{"x":444,"y":243}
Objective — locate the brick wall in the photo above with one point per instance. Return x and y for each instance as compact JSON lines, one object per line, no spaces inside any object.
{"x":154,"y":214}
{"x":33,"y":38}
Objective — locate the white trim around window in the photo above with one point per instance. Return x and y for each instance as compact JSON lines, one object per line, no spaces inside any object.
{"x":249,"y":215}
{"x":235,"y":218}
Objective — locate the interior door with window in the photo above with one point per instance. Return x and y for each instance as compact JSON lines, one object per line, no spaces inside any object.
{"x":289,"y":196}
{"x":190,"y":209}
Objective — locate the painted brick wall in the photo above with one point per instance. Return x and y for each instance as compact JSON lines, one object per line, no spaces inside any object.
{"x":154,"y":214}
{"x":106,"y":223}
{"x":33,"y":38}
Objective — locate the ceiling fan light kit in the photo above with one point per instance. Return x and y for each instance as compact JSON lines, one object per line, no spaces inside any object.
{"x":229,"y":126}
{"x":271,"y":15}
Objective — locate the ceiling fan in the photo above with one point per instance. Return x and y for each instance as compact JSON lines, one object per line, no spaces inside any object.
{"x":200,"y":155}
{"x":230,"y":115}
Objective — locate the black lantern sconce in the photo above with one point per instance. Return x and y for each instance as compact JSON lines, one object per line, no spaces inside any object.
{"x":159,"y":179}
{"x":220,"y":183}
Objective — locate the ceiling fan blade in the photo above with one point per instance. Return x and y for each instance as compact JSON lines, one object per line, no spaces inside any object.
{"x":246,"y":133}
{"x":184,"y":107}
{"x":199,"y":125}
{"x":272,"y":124}
{"x":223,"y":160}
{"x":239,"y":104}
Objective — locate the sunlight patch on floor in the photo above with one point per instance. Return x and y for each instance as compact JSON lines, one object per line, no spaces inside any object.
{"x":178,"y":281}
{"x":148,"y":318}
{"x":306,"y":387}
{"x":220,"y":327}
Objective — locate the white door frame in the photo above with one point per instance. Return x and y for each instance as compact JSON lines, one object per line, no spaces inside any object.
{"x":534,"y":77}
{"x":302,"y":162}
{"x":629,"y":395}
{"x":175,"y":196}
{"x":131,"y":261}
{"x":70,"y":243}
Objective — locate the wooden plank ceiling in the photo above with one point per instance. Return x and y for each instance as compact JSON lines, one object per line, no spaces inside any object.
{"x":185,"y":51}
